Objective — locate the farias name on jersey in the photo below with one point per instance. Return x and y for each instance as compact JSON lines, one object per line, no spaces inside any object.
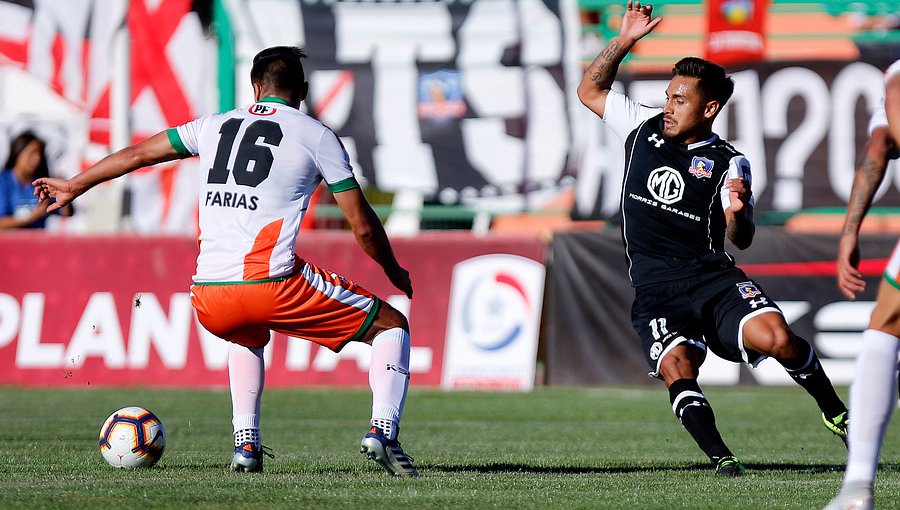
{"x":229,"y":199}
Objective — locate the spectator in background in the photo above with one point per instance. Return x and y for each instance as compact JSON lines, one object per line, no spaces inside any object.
{"x":19,"y":207}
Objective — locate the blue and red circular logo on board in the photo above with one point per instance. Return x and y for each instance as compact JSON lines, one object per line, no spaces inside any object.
{"x":497,"y":309}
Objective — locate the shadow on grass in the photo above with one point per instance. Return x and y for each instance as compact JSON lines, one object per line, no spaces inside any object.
{"x":813,"y":468}
{"x":794,"y":467}
{"x":510,"y":467}
{"x":893,"y":467}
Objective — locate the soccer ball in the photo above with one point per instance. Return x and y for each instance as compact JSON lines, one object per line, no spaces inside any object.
{"x":132,"y":437}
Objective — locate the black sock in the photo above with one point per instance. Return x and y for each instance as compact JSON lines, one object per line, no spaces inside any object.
{"x":808,"y":373}
{"x":696,"y":415}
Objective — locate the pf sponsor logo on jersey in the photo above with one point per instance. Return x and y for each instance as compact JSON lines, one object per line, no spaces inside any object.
{"x":748,"y":290}
{"x":666,"y":185}
{"x":261,"y":110}
{"x":701,"y":167}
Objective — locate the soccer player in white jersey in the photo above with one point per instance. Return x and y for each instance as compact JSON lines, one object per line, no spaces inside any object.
{"x":264,"y":161}
{"x":875,"y":386}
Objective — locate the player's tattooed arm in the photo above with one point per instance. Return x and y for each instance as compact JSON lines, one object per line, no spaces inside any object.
{"x":603,"y":69}
{"x":600,"y":75}
{"x":869,"y":175}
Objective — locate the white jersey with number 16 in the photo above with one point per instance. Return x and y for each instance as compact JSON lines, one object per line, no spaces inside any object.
{"x":261,"y":165}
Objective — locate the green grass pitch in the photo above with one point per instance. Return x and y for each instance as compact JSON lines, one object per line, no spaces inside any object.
{"x":591,"y":448}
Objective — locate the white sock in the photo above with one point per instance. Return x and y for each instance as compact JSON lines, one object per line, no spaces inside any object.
{"x":248,"y":435}
{"x":389,"y":379}
{"x":872,"y":397}
{"x":246,"y":376}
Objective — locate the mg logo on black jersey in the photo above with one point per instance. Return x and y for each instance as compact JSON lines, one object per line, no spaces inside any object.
{"x":666,"y":185}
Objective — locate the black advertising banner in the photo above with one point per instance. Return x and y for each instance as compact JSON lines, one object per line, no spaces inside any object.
{"x":589,"y":338}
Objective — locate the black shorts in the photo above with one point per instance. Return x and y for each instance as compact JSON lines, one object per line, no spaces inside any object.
{"x":707,"y":311}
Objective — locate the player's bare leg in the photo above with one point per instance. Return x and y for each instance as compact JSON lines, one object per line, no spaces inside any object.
{"x":389,"y":380}
{"x":679,"y":369}
{"x":769,"y":334}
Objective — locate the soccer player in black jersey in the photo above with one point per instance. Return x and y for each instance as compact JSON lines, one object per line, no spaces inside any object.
{"x":685,"y":189}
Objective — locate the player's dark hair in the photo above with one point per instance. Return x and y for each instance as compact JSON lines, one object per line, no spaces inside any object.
{"x":18,"y":145}
{"x":279,"y":68}
{"x":711,"y":78}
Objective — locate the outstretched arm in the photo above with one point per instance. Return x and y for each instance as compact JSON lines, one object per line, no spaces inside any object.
{"x":151,"y":151}
{"x":869,"y":174}
{"x":371,"y":236}
{"x":599,"y":76}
